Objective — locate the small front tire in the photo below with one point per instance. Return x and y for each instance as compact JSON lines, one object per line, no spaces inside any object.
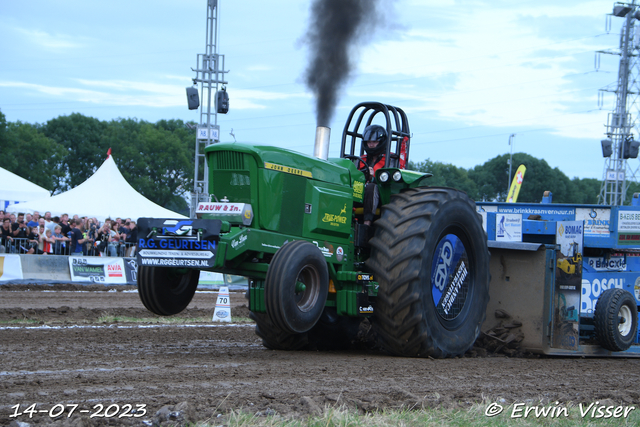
{"x":616,"y":319}
{"x":296,"y":287}
{"x":166,"y":291}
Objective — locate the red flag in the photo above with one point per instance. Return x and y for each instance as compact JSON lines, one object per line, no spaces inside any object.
{"x":109,"y":153}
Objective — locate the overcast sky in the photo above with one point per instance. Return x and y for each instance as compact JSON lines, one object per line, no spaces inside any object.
{"x":467,"y":73}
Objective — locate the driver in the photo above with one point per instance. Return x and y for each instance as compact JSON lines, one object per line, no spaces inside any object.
{"x":375,"y":143}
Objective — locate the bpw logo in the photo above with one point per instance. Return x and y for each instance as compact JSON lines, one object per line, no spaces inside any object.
{"x":172,"y":227}
{"x":444,"y":262}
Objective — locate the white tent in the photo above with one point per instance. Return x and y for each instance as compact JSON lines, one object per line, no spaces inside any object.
{"x":15,"y":189}
{"x":106,"y":194}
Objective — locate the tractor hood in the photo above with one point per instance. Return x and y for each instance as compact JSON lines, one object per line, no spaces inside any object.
{"x":288,"y":161}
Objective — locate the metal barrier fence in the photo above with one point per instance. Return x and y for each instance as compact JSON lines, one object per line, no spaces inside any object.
{"x":114,"y":249}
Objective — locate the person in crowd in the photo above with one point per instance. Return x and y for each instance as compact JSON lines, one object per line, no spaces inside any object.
{"x":41,"y":236}
{"x":115,"y":237}
{"x":77,"y":238}
{"x":132,"y":239}
{"x":12,"y":217}
{"x":105,"y":238}
{"x":19,"y":228}
{"x":53,"y":222}
{"x":47,"y":241}
{"x":31,"y":244}
{"x":123,"y":229}
{"x":6,"y":236}
{"x":34,"y":221}
{"x":60,"y":241}
{"x":90,"y":231}
{"x":64,"y":223}
{"x":28,"y":219}
{"x":48,"y":222}
{"x":124,"y":232}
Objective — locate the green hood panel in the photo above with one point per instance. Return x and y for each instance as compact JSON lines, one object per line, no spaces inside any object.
{"x":288,"y":161}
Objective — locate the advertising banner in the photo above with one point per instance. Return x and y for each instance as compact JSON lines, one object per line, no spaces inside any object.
{"x":508,"y":227}
{"x":596,"y":221}
{"x":570,"y":237}
{"x":131,"y":270}
{"x":98,"y":270}
{"x":10,"y":268}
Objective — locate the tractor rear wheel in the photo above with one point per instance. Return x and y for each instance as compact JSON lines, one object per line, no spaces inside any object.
{"x":616,"y":319}
{"x":166,"y":291}
{"x":430,"y":255}
{"x":296,"y":286}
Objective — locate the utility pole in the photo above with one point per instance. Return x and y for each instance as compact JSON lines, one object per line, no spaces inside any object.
{"x":620,"y":144}
{"x":209,"y":74}
{"x":511,"y":137}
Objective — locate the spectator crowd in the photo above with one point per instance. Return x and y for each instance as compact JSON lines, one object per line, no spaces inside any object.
{"x":78,"y":236}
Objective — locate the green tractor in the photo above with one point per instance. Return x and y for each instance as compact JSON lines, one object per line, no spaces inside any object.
{"x":293,"y":225}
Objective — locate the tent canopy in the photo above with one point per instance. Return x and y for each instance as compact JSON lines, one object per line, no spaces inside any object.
{"x":16,"y":189}
{"x":95,"y":198}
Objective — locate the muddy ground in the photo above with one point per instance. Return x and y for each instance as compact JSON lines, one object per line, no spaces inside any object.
{"x":75,"y":354}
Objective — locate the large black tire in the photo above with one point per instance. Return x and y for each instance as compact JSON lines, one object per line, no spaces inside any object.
{"x":275,"y":338}
{"x":166,"y":291}
{"x":430,"y":255}
{"x":291,"y":308}
{"x":616,"y":319}
{"x":331,"y":332}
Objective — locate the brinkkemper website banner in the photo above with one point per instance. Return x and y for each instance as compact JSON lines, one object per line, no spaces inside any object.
{"x":98,"y":270}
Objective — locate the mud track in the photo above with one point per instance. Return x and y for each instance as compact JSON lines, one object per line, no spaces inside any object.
{"x":194,"y":372}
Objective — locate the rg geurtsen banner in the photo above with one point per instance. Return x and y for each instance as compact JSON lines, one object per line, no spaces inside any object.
{"x":97,"y":270}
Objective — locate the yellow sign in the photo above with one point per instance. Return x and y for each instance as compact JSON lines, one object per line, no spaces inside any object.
{"x":514,"y":190}
{"x":336,"y":220}
{"x":358,"y":189}
{"x":287,"y":169}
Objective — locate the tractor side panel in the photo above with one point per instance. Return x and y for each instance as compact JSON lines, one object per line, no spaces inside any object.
{"x":281,"y":200}
{"x":328,"y":210}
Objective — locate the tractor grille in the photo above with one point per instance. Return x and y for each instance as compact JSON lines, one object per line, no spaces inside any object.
{"x":228,"y":160}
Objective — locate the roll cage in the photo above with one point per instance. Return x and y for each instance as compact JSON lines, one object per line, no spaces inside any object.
{"x":361,"y":116}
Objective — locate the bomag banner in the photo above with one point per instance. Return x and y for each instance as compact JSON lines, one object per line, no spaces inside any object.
{"x":98,"y":270}
{"x":514,"y":190}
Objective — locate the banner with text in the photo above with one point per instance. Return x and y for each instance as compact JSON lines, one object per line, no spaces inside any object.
{"x":98,"y":270}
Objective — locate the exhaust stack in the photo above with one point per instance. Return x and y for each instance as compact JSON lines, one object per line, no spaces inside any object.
{"x":321,"y":147}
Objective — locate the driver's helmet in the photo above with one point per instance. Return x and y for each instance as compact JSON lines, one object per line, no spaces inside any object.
{"x":375,"y":133}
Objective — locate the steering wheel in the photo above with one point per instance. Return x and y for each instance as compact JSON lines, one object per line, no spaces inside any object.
{"x":365,"y":170}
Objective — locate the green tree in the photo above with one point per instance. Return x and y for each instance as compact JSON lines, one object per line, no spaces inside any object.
{"x":154,"y":158}
{"x":27,"y":152}
{"x":585,"y":190}
{"x":81,"y":137}
{"x":167,"y":166}
{"x":447,"y":175}
{"x":492,"y":178}
{"x":7,"y":159}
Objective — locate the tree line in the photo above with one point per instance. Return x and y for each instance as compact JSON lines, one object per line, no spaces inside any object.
{"x":157,"y":159}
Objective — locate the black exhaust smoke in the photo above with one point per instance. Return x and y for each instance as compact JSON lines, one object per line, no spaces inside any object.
{"x":336,"y":27}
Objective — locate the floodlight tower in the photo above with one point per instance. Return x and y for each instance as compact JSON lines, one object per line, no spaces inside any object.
{"x":620,"y":144}
{"x":209,"y":74}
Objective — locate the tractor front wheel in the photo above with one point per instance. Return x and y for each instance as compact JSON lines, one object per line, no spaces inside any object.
{"x":296,"y":287}
{"x":166,"y":291}
{"x":431,"y":258}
